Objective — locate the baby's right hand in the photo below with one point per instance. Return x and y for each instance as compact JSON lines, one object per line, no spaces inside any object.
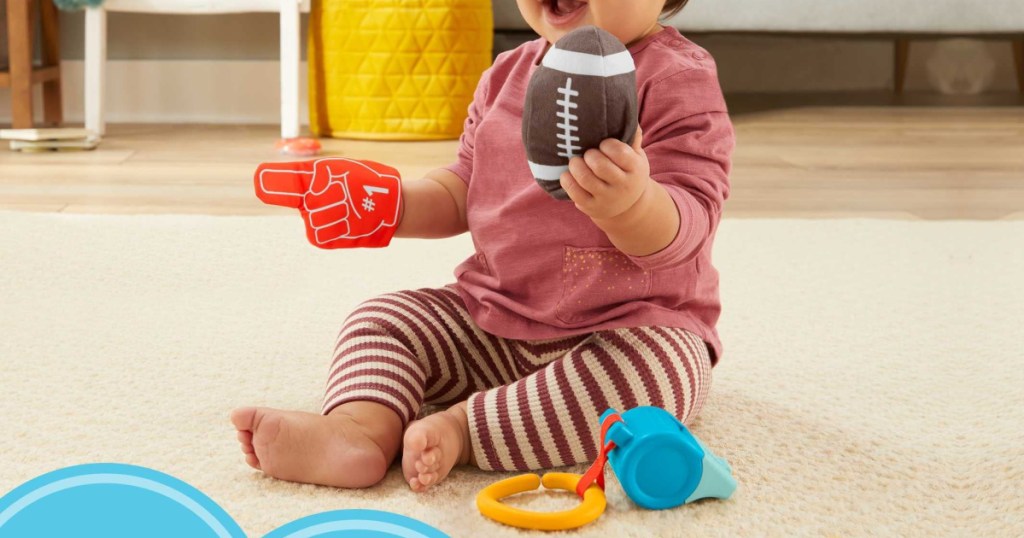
{"x":344,"y":203}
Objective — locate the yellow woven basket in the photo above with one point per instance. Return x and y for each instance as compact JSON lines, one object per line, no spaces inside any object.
{"x":396,"y":69}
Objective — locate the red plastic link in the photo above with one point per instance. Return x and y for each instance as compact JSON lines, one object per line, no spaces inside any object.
{"x":596,"y":471}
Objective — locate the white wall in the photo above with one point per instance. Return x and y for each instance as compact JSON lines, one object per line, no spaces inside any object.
{"x":177,"y":91}
{"x":223,"y":67}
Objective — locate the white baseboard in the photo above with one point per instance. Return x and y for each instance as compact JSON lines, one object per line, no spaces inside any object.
{"x":177,"y":91}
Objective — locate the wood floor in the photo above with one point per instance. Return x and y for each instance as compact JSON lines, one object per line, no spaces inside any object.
{"x":908,"y":162}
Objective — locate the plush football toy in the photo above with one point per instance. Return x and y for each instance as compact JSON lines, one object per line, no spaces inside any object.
{"x":583,"y":92}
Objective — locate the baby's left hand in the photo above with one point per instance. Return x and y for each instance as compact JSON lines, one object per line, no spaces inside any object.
{"x":607,"y":181}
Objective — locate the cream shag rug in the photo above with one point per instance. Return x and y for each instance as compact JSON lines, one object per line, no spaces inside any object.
{"x":872,"y":384}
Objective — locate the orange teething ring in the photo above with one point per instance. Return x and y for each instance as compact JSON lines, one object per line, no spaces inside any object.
{"x":488,"y":501}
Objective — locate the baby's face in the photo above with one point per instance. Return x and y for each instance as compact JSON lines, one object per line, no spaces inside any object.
{"x":628,"y":20}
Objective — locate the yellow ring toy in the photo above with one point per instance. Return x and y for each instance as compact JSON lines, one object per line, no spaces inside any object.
{"x":490,"y":505}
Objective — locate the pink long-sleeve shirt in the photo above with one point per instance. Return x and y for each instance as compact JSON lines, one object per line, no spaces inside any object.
{"x":542,"y":269}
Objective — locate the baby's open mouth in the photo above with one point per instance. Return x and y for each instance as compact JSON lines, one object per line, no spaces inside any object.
{"x":565,"y":7}
{"x":563,"y":12}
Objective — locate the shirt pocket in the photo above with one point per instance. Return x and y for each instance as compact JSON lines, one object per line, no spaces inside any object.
{"x":596,"y":280}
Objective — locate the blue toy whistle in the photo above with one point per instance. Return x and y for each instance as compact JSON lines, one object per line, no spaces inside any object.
{"x":659,"y":463}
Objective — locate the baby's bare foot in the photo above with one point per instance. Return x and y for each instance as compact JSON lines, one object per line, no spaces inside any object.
{"x":350,"y":448}
{"x":435,"y":444}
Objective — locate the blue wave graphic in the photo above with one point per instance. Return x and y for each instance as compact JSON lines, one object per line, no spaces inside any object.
{"x":115,"y":500}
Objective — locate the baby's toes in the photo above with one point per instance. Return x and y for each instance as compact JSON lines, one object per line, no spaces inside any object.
{"x":415,"y":443}
{"x":244,"y":418}
{"x":432,"y":456}
{"x":428,"y":479}
{"x":429,"y":461}
{"x":415,"y":439}
{"x":245,"y":439}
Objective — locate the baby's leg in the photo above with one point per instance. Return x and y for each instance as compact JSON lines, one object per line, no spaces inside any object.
{"x":391,"y":351}
{"x":403,"y":349}
{"x":550,"y":418}
{"x":435,"y":444}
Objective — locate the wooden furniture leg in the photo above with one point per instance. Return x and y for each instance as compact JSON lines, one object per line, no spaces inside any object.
{"x":901,"y":53}
{"x":1018,"y":60}
{"x":19,"y":50}
{"x":53,"y":113}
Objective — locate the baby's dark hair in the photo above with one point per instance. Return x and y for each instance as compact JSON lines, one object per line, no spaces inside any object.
{"x":672,"y":7}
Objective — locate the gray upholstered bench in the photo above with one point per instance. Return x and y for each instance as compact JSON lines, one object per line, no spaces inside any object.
{"x":902,"y":20}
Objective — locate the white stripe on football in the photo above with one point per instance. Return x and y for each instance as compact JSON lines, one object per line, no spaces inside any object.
{"x":545,"y":172}
{"x":582,"y":63}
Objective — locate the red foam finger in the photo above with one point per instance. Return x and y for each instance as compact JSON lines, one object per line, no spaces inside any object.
{"x":330,"y":170}
{"x":328,"y":215}
{"x":333,"y":236}
{"x":334,"y":194}
{"x":344,"y":203}
{"x":282,"y":184}
{"x":375,"y":201}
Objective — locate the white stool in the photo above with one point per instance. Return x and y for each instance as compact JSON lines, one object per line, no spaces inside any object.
{"x":96,"y":48}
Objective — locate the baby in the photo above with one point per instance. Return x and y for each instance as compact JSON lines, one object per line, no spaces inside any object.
{"x":565,"y":309}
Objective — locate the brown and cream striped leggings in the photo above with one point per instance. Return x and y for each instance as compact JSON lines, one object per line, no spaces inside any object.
{"x":532,"y":404}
